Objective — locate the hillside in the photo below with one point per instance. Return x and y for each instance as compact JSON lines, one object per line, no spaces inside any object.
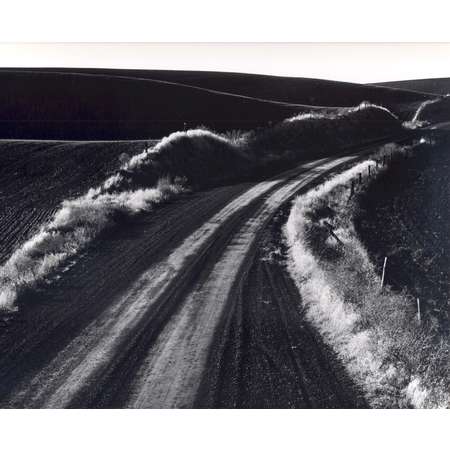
{"x":439,"y":86}
{"x":404,"y":214}
{"x":437,"y":111}
{"x":118,"y":104}
{"x":306,"y":91}
{"x":36,"y":105}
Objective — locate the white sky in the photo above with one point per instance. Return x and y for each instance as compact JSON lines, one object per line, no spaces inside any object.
{"x":364,"y":62}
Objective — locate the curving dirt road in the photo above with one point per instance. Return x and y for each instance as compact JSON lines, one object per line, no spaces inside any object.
{"x":188,"y":306}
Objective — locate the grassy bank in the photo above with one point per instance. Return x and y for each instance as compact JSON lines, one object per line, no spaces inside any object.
{"x":398,"y":361}
{"x":204,"y":158}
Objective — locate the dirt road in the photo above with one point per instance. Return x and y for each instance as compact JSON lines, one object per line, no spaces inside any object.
{"x":189,"y":306}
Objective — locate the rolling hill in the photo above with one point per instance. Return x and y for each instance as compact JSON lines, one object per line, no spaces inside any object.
{"x":438,"y":86}
{"x":93,"y":104}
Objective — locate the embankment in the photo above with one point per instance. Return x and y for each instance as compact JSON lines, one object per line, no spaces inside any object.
{"x":397,"y":360}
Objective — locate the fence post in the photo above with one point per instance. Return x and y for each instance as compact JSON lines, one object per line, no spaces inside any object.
{"x":418,"y":310}
{"x":384,"y":271}
{"x":360,"y":177}
{"x":332,"y":233}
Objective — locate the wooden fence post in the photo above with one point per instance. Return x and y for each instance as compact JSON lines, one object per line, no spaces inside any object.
{"x":418,"y":310}
{"x":332,"y":233}
{"x":384,"y":271}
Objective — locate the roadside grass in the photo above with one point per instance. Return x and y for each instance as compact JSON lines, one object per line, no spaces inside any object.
{"x":398,"y":361}
{"x":192,"y":159}
{"x":207,"y":158}
{"x":73,"y":226}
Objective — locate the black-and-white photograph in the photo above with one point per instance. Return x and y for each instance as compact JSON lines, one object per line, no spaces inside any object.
{"x":224,"y":226}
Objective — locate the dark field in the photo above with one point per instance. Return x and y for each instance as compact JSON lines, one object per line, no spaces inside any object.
{"x":405,"y":215}
{"x":101,"y":105}
{"x":304,"y":91}
{"x":35,"y":177}
{"x":439,"y":86}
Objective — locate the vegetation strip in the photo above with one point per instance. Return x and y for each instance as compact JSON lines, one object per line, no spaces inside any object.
{"x":397,"y":360}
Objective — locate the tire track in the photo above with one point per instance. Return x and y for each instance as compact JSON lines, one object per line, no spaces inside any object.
{"x":171,"y":373}
{"x":54,"y":315}
{"x":265,"y":353}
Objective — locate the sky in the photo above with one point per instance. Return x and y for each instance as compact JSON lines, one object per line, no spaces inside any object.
{"x":354,"y":62}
